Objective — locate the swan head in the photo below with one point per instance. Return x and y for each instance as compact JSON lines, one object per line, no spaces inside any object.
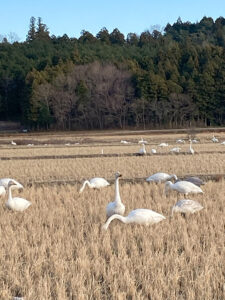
{"x":10,"y":183}
{"x":174,"y":176}
{"x":118,"y":174}
{"x":17,"y":185}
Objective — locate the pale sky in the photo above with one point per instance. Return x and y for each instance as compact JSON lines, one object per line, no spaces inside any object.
{"x":72,"y":16}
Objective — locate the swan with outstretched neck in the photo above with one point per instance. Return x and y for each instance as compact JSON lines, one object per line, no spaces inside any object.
{"x":16,"y":203}
{"x":140,"y":216}
{"x":94,"y":183}
{"x":116,"y":207}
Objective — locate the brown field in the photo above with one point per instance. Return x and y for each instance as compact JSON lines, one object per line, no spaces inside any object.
{"x":57,"y":249}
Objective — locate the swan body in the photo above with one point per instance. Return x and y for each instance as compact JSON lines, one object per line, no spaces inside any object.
{"x":163,"y":145}
{"x":196,"y":180}
{"x":95,"y":183}
{"x":142,"y":151}
{"x":138,"y":216}
{"x":180,"y":141}
{"x":160,"y":177}
{"x":186,"y":206}
{"x":214,"y":139}
{"x":191,"y":150}
{"x":2,"y":191}
{"x":16,"y":203}
{"x":175,"y":150}
{"x":116,"y":207}
{"x":153,"y":151}
{"x":5,"y":181}
{"x":223,"y":143}
{"x":183,"y":187}
{"x":13,"y":143}
{"x":124,"y":142}
{"x":194,"y":141}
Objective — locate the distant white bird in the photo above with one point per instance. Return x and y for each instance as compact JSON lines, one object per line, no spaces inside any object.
{"x":124,"y":142}
{"x":142,"y":151}
{"x":223,"y":143}
{"x":68,"y":144}
{"x":30,"y":145}
{"x":180,"y":141}
{"x":116,"y":207}
{"x":183,"y":187}
{"x":153,"y":151}
{"x":163,"y":145}
{"x":175,"y":150}
{"x":160,"y":177}
{"x":16,"y":203}
{"x":186,"y":206}
{"x":5,"y":181}
{"x":214,"y":139}
{"x":95,"y":183}
{"x":13,"y":143}
{"x":194,"y":141}
{"x":138,"y":216}
{"x":102,"y":151}
{"x":142,"y":141}
{"x":191,"y":150}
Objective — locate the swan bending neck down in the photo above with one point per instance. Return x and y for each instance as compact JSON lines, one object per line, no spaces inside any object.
{"x":139,"y":216}
{"x":95,"y":183}
{"x":17,"y":204}
{"x":116,"y":207}
{"x":90,"y":185}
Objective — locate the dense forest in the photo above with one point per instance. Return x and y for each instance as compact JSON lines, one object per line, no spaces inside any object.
{"x":173,"y":78}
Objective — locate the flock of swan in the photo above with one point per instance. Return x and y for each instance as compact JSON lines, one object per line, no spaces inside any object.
{"x":116,"y":209}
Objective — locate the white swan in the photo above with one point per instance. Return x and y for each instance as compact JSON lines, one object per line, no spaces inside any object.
{"x":191,"y":150}
{"x":180,"y":141}
{"x":153,"y":151}
{"x":163,"y":145}
{"x":16,"y":203}
{"x":124,"y":142}
{"x":5,"y":181}
{"x":175,"y":150}
{"x":142,"y":151}
{"x":95,"y":183}
{"x":183,"y":187}
{"x":214,"y":139}
{"x":139,"y":216}
{"x":160,"y":177}
{"x":186,"y":206}
{"x":13,"y":143}
{"x":117,"y":206}
{"x":223,"y":143}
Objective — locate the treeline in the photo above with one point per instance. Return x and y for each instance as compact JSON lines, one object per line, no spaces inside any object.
{"x":170,"y":79}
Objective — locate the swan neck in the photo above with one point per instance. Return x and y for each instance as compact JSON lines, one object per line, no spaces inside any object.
{"x":118,"y":217}
{"x":117,"y":191}
{"x":84,"y":184}
{"x":10,"y":193}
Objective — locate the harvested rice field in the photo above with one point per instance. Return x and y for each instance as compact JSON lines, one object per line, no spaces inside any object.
{"x":57,"y":249}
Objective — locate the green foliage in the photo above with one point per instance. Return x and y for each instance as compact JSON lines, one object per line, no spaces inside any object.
{"x":169,"y":73}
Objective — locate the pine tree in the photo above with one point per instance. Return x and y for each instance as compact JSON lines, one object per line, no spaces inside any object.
{"x":31,"y":33}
